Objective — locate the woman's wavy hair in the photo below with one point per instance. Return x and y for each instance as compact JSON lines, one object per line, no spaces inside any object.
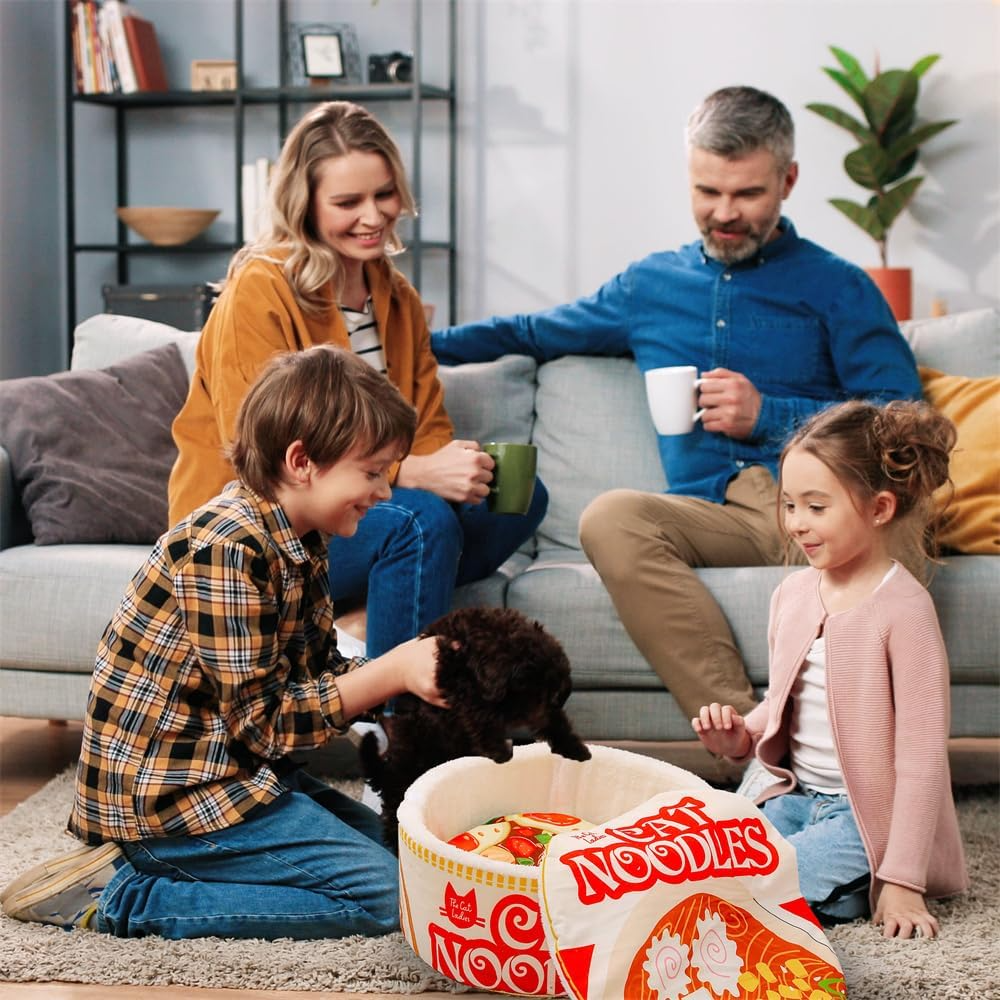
{"x":326,"y":397}
{"x":903,"y":447}
{"x":332,"y":129}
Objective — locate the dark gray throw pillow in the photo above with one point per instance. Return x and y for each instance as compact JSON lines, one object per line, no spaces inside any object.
{"x":91,"y":451}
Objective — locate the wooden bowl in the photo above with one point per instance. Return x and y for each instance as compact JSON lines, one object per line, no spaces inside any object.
{"x":167,"y":227}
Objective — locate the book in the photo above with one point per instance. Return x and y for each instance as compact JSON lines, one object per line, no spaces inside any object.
{"x":114,"y":14}
{"x":248,"y":201}
{"x":144,"y":49}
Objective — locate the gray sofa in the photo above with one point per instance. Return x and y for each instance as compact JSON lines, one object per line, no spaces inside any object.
{"x":589,"y":420}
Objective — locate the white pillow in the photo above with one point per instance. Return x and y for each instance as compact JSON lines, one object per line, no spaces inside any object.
{"x":964,"y":343}
{"x":107,"y":338}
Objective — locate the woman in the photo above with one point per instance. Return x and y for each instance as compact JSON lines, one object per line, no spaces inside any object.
{"x":322,"y":273}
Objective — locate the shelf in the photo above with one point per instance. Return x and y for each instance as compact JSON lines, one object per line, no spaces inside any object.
{"x":126,"y":108}
{"x":266,"y":95}
{"x":149,"y":248}
{"x":204,"y":247}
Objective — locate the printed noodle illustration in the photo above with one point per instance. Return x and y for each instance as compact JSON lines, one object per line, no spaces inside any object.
{"x":706,"y":947}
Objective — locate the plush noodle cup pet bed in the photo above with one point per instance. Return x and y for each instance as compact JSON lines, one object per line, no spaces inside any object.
{"x":678,"y":892}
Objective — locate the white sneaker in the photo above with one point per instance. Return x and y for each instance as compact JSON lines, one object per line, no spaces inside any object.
{"x":372,"y":799}
{"x":357,"y":731}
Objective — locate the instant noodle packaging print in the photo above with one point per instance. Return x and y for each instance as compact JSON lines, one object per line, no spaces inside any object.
{"x":692,"y":895}
{"x":662,"y":889}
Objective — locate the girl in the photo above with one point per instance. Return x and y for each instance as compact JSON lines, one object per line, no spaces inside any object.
{"x":322,"y":273}
{"x":854,"y":725}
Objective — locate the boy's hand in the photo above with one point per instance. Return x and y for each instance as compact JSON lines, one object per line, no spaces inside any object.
{"x":722,"y":730}
{"x":420,"y":670}
{"x":902,"y":912}
{"x":411,"y":666}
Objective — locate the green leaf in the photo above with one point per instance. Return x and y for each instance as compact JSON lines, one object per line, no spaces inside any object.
{"x":868,"y":166}
{"x":891,"y":203}
{"x":861,"y":132}
{"x":890,"y":99}
{"x":857,"y":76}
{"x":844,"y":81}
{"x":908,"y":143}
{"x":921,"y":66}
{"x":900,"y":169}
{"x":862,"y":215}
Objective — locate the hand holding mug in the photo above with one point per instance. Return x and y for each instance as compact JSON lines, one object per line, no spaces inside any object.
{"x":731,"y":403}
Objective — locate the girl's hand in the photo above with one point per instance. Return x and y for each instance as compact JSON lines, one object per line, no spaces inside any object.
{"x":722,"y":730}
{"x":459,"y":472}
{"x":902,"y":912}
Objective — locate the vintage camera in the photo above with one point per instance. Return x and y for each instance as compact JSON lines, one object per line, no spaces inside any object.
{"x":392,"y":67}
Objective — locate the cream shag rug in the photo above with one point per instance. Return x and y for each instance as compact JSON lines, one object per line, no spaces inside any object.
{"x":963,"y":964}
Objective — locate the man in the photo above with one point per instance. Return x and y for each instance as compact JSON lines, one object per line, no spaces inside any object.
{"x":778,"y":327}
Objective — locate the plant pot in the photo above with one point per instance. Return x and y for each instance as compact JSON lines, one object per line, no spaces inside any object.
{"x":896,"y":286}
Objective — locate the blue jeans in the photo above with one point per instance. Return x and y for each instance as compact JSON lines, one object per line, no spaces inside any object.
{"x":833,"y":868}
{"x":412,"y":550}
{"x":309,"y":865}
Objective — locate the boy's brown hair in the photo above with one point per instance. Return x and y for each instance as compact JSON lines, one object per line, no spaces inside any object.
{"x":326,"y":397}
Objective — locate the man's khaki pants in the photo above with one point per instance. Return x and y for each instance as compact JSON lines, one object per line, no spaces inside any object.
{"x":645,"y":545}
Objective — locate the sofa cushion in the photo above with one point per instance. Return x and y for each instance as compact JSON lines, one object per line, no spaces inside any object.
{"x":971,"y":521}
{"x":493,"y":400}
{"x":966,"y":343}
{"x":91,"y":451}
{"x":593,"y":431}
{"x":106,"y":338}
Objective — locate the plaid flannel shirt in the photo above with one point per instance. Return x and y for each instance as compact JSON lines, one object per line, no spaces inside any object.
{"x":220,"y":661}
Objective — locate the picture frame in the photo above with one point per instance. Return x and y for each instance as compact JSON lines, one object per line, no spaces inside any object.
{"x":323,"y":56}
{"x":312,"y":54}
{"x":213,"y":74}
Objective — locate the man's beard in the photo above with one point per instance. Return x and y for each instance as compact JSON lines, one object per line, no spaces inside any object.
{"x":733,"y":253}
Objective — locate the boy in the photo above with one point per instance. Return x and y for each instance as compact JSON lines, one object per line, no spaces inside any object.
{"x":221,"y":661}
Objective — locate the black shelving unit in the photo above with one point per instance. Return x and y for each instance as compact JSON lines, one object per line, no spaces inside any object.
{"x":286,"y":97}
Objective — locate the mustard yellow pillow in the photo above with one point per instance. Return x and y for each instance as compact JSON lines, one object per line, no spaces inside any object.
{"x":971,"y":524}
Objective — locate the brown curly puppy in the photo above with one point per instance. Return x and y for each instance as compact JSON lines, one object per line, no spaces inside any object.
{"x":508,"y":676}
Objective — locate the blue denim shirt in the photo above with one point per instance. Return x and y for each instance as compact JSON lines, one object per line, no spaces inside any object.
{"x":805,"y":326}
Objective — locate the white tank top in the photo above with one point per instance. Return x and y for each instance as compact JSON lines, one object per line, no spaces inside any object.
{"x":363,"y":331}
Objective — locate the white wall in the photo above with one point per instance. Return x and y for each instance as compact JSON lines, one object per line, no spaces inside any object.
{"x":572,"y":115}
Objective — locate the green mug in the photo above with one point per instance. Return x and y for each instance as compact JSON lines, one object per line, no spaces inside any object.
{"x":513,"y":482}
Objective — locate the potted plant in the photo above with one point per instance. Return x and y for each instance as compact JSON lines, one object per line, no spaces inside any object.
{"x":889,"y":137}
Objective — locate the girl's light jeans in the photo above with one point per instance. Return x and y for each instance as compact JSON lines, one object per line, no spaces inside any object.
{"x":309,"y":865}
{"x":833,"y":868}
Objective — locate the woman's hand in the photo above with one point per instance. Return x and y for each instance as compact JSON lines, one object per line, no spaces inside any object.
{"x":459,"y":472}
{"x":722,"y":730}
{"x":902,"y":912}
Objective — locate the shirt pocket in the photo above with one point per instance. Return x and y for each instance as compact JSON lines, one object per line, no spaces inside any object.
{"x":781,"y":350}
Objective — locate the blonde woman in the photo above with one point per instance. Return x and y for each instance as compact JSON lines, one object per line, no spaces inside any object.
{"x":321,"y":273}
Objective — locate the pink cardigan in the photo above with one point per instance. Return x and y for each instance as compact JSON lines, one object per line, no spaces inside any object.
{"x":888,"y":699}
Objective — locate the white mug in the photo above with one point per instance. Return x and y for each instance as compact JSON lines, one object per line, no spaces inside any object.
{"x":672,"y":395}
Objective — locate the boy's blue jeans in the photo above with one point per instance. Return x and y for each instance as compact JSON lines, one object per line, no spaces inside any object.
{"x":411,"y":551}
{"x":309,"y":865}
{"x":833,"y":868}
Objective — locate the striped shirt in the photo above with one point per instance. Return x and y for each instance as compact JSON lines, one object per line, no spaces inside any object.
{"x":220,"y":660}
{"x":363,"y":333}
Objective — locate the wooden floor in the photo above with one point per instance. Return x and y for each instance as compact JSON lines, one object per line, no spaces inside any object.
{"x":32,"y":752}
